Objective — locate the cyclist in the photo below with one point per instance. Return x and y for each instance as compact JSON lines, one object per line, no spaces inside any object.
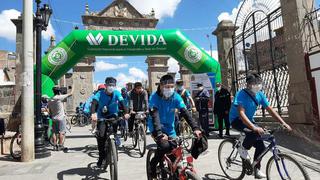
{"x":187,"y":99}
{"x":87,"y":104}
{"x":162,"y":109}
{"x":105,"y":104}
{"x":242,"y":111}
{"x":138,"y":102}
{"x":58,"y":115}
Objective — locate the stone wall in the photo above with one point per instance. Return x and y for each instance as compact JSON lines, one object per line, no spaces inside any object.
{"x":7,"y":100}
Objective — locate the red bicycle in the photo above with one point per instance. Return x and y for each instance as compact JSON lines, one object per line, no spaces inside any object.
{"x":174,"y":166}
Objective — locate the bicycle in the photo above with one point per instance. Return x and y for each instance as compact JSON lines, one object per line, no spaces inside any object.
{"x":15,"y":145}
{"x":123,"y":128}
{"x":139,"y":133}
{"x":111,"y":150}
{"x":80,"y":119}
{"x":174,"y":166}
{"x":185,"y":131}
{"x":237,"y":168}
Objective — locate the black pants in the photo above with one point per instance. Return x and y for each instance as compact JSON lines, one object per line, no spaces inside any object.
{"x":131,"y":122}
{"x":204,"y":120}
{"x":223,"y":117}
{"x":101,"y":136}
{"x":163,"y":147}
{"x":250,"y":140}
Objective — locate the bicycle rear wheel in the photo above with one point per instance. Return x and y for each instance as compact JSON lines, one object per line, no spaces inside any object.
{"x":113,"y":160}
{"x":230,"y":160}
{"x":15,"y":146}
{"x":142,"y":140}
{"x":285,"y":167}
{"x":74,"y":119}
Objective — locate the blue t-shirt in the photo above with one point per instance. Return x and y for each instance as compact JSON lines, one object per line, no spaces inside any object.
{"x":185,"y":96}
{"x":166,"y":108}
{"x":243,"y":99}
{"x":110,"y":101}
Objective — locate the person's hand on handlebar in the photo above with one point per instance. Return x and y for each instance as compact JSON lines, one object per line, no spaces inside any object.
{"x":198,"y":133}
{"x":127,"y":116}
{"x":285,"y":125}
{"x":258,"y":130}
{"x":94,"y":117}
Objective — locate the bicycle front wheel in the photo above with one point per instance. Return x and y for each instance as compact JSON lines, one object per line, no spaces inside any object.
{"x":15,"y":146}
{"x":192,"y":176}
{"x":113,"y":160}
{"x":285,"y":167}
{"x":135,"y":136}
{"x":230,"y":160}
{"x":74,"y":119}
{"x":142,"y":140}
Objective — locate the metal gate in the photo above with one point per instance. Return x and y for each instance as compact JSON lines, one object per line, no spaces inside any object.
{"x":259,"y":47}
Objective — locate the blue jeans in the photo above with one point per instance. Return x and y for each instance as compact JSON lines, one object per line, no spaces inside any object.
{"x":250,"y":140}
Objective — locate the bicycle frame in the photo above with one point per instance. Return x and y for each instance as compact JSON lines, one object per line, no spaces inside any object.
{"x":179,"y":156}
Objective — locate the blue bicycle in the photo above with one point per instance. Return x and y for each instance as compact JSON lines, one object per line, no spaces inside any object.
{"x":280,"y":165}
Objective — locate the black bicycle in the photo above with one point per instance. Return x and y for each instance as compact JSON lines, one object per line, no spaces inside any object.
{"x":111,"y":150}
{"x":80,"y":119}
{"x":234,"y":167}
{"x":139,"y":133}
{"x":15,"y":145}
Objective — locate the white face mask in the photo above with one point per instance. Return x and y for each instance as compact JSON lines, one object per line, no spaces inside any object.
{"x":168,"y":92}
{"x":256,"y":88}
{"x":218,"y":88}
{"x":110,"y":89}
{"x":200,"y":88}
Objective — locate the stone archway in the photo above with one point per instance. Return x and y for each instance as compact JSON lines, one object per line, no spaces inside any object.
{"x":81,"y":43}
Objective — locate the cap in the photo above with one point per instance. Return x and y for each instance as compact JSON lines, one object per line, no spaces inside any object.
{"x":179,"y":82}
{"x":101,"y":86}
{"x":110,"y":81}
{"x":199,"y":85}
{"x":253,"y":79}
{"x":166,"y":79}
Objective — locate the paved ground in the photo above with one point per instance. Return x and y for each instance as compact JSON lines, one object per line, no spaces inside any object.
{"x":79,"y":162}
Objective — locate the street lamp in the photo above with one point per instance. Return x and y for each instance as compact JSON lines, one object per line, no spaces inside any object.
{"x":41,"y":20}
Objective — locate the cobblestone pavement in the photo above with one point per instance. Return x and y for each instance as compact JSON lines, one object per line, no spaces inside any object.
{"x":79,"y":162}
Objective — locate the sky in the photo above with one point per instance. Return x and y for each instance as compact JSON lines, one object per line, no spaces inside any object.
{"x":196,"y":18}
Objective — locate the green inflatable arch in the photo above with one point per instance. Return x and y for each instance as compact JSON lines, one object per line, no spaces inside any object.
{"x":80,"y":43}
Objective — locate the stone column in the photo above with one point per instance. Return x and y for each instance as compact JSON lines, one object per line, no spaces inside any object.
{"x":185,"y":75}
{"x":224,"y":33}
{"x":295,"y":32}
{"x":157,"y":67}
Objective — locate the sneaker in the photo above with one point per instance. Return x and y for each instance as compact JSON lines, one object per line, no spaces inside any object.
{"x":258,"y":174}
{"x":60,"y":147}
{"x":243,"y":153}
{"x":118,"y":141}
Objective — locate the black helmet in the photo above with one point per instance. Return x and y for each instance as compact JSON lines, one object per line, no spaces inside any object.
{"x":253,"y":79}
{"x":199,"y":146}
{"x":179,"y":82}
{"x":110,"y":81}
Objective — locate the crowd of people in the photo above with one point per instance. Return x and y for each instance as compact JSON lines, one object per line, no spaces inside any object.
{"x":166,"y":107}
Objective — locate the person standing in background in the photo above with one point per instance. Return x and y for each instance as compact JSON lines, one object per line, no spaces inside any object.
{"x":222,"y":104}
{"x":202,"y":99}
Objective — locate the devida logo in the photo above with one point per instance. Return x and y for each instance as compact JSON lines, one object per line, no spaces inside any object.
{"x":192,"y":54}
{"x":58,"y":56}
{"x":94,"y":41}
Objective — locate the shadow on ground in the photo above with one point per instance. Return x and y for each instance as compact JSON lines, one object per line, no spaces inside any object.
{"x":212,"y":176}
{"x":91,"y":172}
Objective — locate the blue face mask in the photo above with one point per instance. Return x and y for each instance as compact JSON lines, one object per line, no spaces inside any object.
{"x":168,"y":92}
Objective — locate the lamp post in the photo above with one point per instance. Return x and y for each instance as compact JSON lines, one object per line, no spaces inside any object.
{"x":210,"y":44}
{"x":41,"y":23}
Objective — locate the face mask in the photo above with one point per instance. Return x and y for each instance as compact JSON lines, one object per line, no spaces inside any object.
{"x":256,"y":88}
{"x":218,"y":88}
{"x":110,"y":89}
{"x":200,"y":88}
{"x":168,"y":92}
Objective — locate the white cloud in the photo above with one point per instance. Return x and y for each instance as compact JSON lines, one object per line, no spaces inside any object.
{"x":228,"y":16}
{"x":162,"y":8}
{"x":103,"y":66}
{"x":135,"y":74}
{"x":7,"y":28}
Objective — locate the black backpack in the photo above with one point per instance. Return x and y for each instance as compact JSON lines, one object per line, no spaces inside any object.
{"x":199,"y":146}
